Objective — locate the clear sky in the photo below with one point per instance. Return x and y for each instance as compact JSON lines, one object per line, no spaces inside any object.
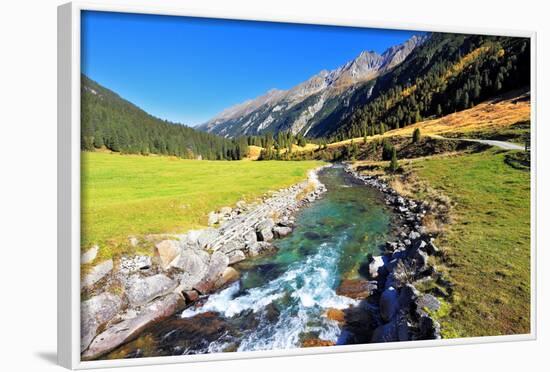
{"x":189,"y":69}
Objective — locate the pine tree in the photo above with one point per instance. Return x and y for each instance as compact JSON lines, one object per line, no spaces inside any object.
{"x":394,"y":165}
{"x":416,"y":135}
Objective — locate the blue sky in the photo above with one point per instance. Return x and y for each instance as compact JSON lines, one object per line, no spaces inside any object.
{"x":189,"y":69}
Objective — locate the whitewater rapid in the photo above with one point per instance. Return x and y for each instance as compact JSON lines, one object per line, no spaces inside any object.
{"x":308,"y":289}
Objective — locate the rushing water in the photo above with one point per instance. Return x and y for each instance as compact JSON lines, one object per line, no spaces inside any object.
{"x":281,"y":300}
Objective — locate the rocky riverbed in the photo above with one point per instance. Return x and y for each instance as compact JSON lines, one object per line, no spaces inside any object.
{"x":126,"y":297}
{"x":394,"y":309}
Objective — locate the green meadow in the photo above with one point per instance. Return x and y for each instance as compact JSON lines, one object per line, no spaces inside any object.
{"x":487,"y":244}
{"x":133,"y":195}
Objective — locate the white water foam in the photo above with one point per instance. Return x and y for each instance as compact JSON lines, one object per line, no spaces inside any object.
{"x":309,"y":283}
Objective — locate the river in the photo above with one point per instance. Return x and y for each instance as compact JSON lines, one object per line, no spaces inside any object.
{"x":282,"y":299}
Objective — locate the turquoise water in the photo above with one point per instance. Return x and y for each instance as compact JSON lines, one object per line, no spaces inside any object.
{"x":281,"y":299}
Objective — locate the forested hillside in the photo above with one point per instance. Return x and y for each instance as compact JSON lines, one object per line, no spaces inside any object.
{"x":448,"y":73}
{"x":109,"y":121}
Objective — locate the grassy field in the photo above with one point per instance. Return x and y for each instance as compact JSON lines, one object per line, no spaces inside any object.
{"x":126,"y":195}
{"x":488,"y":242}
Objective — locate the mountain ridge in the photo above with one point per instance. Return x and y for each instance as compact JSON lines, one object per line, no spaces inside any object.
{"x":258,"y":114}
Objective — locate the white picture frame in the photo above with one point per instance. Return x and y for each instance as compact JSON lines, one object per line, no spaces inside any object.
{"x":69,"y":184}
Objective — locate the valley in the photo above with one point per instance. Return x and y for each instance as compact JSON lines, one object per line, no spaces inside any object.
{"x":386,"y":200}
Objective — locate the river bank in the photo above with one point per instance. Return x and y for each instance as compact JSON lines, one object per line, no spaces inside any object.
{"x":395,"y":310}
{"x":122,"y":298}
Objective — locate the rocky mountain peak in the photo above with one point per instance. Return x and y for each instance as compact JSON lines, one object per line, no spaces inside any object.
{"x":259,"y":113}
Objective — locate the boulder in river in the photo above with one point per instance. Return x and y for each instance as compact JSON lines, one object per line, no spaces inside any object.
{"x":264,"y":230}
{"x":194,"y":263}
{"x":229,"y":275}
{"x":336,"y":315}
{"x":235,"y":256}
{"x":142,"y":290}
{"x":356,"y":288}
{"x":281,"y":231}
{"x":94,"y":313}
{"x":216,"y":267}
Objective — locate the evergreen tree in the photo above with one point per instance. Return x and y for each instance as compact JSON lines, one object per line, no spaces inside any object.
{"x":416,"y":135}
{"x":394,"y":165}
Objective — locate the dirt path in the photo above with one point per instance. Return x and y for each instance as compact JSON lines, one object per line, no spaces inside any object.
{"x":501,"y":144}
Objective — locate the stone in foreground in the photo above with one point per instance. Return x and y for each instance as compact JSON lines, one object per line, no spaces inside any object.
{"x":128,"y":329}
{"x":94,"y":313}
{"x":141,"y":291}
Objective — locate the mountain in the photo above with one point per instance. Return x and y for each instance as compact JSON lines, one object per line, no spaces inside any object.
{"x":446,"y":74}
{"x":305,"y":105}
{"x":426,"y":77}
{"x":109,"y":121}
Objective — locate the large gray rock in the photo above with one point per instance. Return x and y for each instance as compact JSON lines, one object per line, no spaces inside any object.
{"x":207,"y":237}
{"x":194,"y":263}
{"x":216,"y":267}
{"x":229,"y":275}
{"x":281,"y":231}
{"x":97,"y":273}
{"x":167,"y":252}
{"x":235,"y":256}
{"x":94,"y":313}
{"x":388,"y":304}
{"x":143,"y":290}
{"x":264,"y":230}
{"x":127,"y":329}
